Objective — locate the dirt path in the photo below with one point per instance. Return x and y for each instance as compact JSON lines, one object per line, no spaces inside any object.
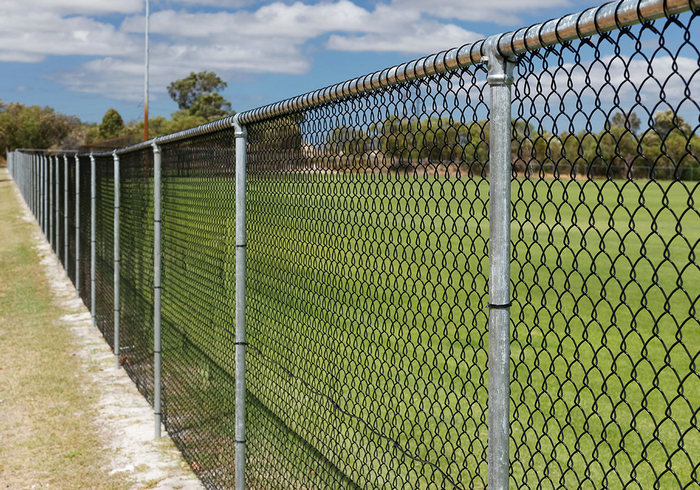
{"x":68,"y":418}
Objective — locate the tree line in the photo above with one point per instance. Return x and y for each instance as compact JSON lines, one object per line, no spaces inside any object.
{"x":196,"y":95}
{"x":669,"y":148}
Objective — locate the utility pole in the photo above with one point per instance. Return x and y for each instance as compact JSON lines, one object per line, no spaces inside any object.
{"x":145,"y":88}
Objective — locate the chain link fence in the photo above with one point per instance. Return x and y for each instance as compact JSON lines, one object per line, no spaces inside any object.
{"x":73,"y":229}
{"x":344,"y":242}
{"x":604,"y":386}
{"x":136,"y":279}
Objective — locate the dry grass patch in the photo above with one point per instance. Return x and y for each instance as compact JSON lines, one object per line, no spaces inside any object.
{"x":47,"y":436}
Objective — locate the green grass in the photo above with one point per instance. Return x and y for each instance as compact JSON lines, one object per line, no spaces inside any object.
{"x":372,"y":290}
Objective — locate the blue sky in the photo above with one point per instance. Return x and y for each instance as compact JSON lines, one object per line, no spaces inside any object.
{"x":84,"y":56}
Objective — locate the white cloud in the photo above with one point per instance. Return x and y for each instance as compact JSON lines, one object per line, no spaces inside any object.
{"x":32,"y":39}
{"x":503,"y":12}
{"x":33,"y":29}
{"x":620,"y":77}
{"x":29,"y":8}
{"x":229,"y":4}
{"x":193,"y":35}
{"x":424,"y":37}
{"x":613,"y":82}
{"x":272,"y":39}
{"x":122,"y":78}
{"x":278,"y":20}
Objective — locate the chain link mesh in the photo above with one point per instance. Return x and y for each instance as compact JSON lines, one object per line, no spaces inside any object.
{"x":605,"y":332}
{"x":198,"y":303}
{"x":136,"y":270}
{"x":52,"y":205}
{"x":60,"y":204}
{"x":70,"y":266}
{"x":104,"y":250}
{"x":367,"y":242}
{"x":85,"y":216}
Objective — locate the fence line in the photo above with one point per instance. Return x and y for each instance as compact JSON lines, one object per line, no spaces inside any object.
{"x":444,"y":274}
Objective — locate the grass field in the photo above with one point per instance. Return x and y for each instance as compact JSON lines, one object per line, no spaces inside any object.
{"x":367,"y":324}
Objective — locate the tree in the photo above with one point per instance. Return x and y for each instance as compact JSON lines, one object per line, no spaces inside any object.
{"x":437,"y":139}
{"x":112,"y":125}
{"x":210,"y":107}
{"x":186,"y":90}
{"x":618,"y":149}
{"x":182,"y":120}
{"x":672,"y":149}
{"x":197,"y":97}
{"x":34,"y":127}
{"x":627,"y":120}
{"x":665,"y":122}
{"x":397,"y":138}
{"x":473,"y":140}
{"x":346,"y":140}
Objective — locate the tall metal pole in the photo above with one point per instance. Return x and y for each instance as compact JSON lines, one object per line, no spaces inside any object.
{"x":93,"y":237}
{"x":147,"y":67}
{"x":65,"y":212}
{"x":156,"y":289}
{"x":500,"y":78}
{"x":117,"y":260}
{"x":77,"y":226}
{"x":241,"y":136}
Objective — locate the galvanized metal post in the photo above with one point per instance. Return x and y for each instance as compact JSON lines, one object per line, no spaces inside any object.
{"x":156,"y":289}
{"x":77,"y":226}
{"x":32,"y":180}
{"x":32,"y":163}
{"x":65,"y":212}
{"x":241,"y":136}
{"x":93,"y":239}
{"x":500,"y":78}
{"x":57,"y":205}
{"x":45,"y":197}
{"x":50,"y":196}
{"x":36,"y":187}
{"x":40,"y":192}
{"x":42,"y":168}
{"x":117,"y":259}
{"x":39,"y":180}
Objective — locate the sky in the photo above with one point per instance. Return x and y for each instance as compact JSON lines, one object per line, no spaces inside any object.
{"x":83,"y":57}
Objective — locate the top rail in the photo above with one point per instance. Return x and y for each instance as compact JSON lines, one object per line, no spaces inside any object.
{"x":595,"y":20}
{"x":45,"y":151}
{"x":607,"y":17}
